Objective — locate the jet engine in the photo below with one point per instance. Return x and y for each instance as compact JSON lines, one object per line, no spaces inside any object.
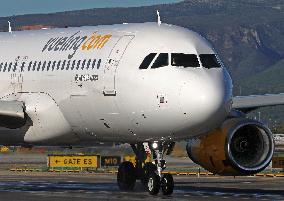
{"x":239,"y":147}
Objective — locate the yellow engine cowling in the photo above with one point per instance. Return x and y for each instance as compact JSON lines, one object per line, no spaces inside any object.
{"x":239,"y":147}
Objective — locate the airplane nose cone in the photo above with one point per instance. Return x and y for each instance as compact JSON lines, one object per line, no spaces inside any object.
{"x":207,"y":98}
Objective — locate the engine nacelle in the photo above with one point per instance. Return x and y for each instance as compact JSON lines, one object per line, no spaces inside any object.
{"x":239,"y":147}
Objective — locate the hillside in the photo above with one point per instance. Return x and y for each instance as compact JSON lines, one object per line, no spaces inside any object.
{"x":249,"y":35}
{"x":267,"y":81}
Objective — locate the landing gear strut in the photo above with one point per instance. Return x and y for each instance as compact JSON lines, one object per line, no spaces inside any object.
{"x":150,"y":174}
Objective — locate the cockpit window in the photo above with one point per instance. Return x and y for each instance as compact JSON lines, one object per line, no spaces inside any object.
{"x":209,"y":61}
{"x":161,"y":61}
{"x":185,"y":60}
{"x":147,"y":61}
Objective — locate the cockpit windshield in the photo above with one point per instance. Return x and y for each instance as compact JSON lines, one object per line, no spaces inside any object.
{"x":209,"y":61}
{"x":184,"y":60}
{"x":161,"y":61}
{"x":180,"y":60}
{"x":147,"y":61}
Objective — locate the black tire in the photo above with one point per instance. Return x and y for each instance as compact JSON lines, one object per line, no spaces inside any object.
{"x":153,"y":184}
{"x":167,"y":184}
{"x":126,"y":176}
{"x":148,"y":169}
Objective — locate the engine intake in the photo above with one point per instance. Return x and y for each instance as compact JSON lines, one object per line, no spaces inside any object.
{"x":239,"y":147}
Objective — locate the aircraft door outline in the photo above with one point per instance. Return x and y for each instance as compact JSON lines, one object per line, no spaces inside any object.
{"x":113,"y":62}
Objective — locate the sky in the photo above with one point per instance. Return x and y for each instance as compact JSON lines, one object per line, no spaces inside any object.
{"x":20,"y":7}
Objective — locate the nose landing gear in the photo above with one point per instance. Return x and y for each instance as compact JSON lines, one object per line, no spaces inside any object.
{"x":150,"y":174}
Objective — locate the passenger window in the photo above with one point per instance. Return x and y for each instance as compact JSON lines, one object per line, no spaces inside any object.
{"x":63,"y":65}
{"x":83,"y":64}
{"x":58,"y":65}
{"x":89,"y":63}
{"x":53,"y":65}
{"x":185,"y":60}
{"x":147,"y":61}
{"x":5,"y":67}
{"x":94,"y":63}
{"x":34,"y":66}
{"x":68,"y":65}
{"x":39,"y":65}
{"x":209,"y":61}
{"x":161,"y":61}
{"x":48,"y":65}
{"x":23,"y":66}
{"x":30,"y":65}
{"x":78,"y":65}
{"x":43,"y":66}
{"x":10,"y":66}
{"x":73,"y":65}
{"x":15,"y":67}
{"x":99,"y":64}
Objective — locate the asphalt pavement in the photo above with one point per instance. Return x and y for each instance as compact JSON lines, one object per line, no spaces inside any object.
{"x":90,"y":186}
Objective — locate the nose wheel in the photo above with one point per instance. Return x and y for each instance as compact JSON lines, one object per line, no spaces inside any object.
{"x":150,"y":174}
{"x":167,"y":184}
{"x":154,"y":184}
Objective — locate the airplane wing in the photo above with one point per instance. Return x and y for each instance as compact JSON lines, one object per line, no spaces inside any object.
{"x":250,"y":103}
{"x":12,"y":114}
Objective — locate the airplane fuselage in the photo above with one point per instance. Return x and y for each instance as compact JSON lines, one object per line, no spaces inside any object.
{"x":86,"y":85}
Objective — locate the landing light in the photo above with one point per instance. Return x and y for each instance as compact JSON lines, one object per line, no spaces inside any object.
{"x":155,"y":145}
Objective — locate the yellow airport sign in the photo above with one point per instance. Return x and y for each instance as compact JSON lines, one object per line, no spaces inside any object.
{"x":278,"y":162}
{"x":73,"y":161}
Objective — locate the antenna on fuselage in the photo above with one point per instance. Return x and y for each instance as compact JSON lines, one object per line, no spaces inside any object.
{"x":10,"y":28}
{"x":159,"y":18}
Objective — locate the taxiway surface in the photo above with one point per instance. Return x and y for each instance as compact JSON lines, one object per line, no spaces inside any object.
{"x":79,"y":186}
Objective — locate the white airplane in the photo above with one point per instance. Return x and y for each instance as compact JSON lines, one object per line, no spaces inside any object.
{"x":148,"y":85}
